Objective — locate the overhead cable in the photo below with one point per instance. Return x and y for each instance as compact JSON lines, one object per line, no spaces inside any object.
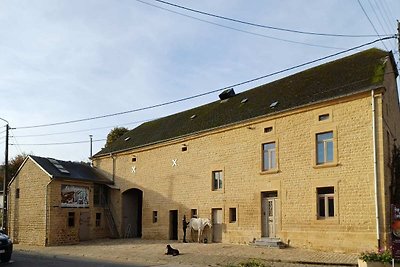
{"x":240,"y":30}
{"x":61,"y":143}
{"x":209,"y":92}
{"x":370,"y":21}
{"x":263,"y":26}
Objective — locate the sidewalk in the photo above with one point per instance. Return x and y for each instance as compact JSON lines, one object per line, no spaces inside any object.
{"x":151,"y":252}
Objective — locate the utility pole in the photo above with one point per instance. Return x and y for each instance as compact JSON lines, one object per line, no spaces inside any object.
{"x":91,"y":145}
{"x":5,"y":179}
{"x":398,"y":37}
{"x":5,"y":182}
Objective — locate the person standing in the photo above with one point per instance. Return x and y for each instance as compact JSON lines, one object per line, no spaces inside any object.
{"x":184,"y":225}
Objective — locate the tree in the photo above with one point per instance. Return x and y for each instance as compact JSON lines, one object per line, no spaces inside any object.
{"x":114,"y":134}
{"x":13,"y":166}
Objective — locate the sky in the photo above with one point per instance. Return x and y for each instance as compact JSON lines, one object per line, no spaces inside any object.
{"x":68,"y":60}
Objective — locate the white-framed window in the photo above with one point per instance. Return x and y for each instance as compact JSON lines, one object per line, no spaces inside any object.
{"x":326,"y":202}
{"x":324,"y":147}
{"x":269,"y":156}
{"x":217,"y":177}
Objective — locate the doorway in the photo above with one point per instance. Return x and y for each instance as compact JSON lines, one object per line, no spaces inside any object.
{"x":173,"y":224}
{"x":132,"y":201}
{"x":217,"y":225}
{"x":84,"y":221}
{"x":269,"y":214}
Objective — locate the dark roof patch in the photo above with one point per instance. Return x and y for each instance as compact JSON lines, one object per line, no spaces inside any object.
{"x":346,"y":76}
{"x":73,"y":170}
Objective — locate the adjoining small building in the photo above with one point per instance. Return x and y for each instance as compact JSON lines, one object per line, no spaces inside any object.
{"x":54,"y":202}
{"x":305,"y":159}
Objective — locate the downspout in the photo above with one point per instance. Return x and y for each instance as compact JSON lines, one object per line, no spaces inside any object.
{"x":46,"y":212}
{"x":113,"y":167}
{"x":375,"y":169}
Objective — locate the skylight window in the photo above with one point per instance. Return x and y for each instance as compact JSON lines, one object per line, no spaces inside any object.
{"x":273,"y":104}
{"x":244,"y":100}
{"x":127,"y":138}
{"x":58,"y":166}
{"x":193,"y":116}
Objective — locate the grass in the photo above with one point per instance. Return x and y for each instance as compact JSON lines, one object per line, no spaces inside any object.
{"x":249,"y":263}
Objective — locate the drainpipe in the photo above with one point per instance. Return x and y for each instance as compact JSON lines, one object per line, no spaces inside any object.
{"x":113,"y":166}
{"x":46,"y":208}
{"x":375,"y":169}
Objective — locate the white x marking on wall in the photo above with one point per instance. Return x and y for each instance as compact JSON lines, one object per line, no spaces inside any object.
{"x":174,"y":162}
{"x":134,"y":169}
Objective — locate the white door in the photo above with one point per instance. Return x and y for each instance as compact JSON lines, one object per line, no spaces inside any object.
{"x":269,"y":216}
{"x":217,"y":225}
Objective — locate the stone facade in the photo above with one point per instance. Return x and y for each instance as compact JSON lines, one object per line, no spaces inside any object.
{"x":173,"y":178}
{"x":36,"y":216}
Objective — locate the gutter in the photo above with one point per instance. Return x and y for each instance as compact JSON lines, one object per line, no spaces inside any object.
{"x":375,"y":156}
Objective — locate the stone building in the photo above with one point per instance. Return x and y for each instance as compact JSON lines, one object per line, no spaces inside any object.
{"x":304,"y":159}
{"x":53,"y":202}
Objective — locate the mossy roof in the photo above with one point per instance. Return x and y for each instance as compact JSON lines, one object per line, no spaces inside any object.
{"x":342,"y":77}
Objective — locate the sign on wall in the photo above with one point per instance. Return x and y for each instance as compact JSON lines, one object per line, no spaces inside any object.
{"x":73,"y":196}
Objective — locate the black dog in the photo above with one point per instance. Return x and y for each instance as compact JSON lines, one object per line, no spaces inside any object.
{"x":172,"y":251}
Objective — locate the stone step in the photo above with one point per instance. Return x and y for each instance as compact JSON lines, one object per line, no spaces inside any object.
{"x":270,"y":242}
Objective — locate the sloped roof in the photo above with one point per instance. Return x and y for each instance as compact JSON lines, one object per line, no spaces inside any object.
{"x":353,"y":74}
{"x":73,"y":170}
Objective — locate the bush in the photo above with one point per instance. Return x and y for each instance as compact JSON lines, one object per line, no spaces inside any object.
{"x":379,"y":256}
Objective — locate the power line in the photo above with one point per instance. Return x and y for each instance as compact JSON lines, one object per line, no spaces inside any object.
{"x":239,"y":30}
{"x":62,"y":143}
{"x":209,"y":92}
{"x":331,"y":89}
{"x":84,"y":130}
{"x":373,"y":26}
{"x":263,"y":26}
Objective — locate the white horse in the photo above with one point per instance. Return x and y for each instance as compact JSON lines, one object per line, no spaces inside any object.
{"x":198,"y":224}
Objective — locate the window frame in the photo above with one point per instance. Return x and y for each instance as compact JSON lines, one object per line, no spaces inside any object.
{"x":155,"y":216}
{"x":220,"y":180}
{"x":271,"y":156}
{"x":327,"y":159}
{"x":71,"y":219}
{"x":329,"y":128}
{"x":326,"y":197}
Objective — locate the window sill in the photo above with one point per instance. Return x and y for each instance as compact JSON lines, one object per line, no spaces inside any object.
{"x":329,"y":220}
{"x":269,"y":171}
{"x":326,"y":165}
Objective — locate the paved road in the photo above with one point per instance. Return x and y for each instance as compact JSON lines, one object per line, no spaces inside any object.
{"x":21,"y":259}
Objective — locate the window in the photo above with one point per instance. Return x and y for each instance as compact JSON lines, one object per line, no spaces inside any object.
{"x":17,"y":193}
{"x":217,"y":180}
{"x":134,"y":159}
{"x":323,"y":117}
{"x":269,"y":156}
{"x":324,"y":148}
{"x":98,"y":219}
{"x":98,"y":192}
{"x":232,"y":215}
{"x":326,"y":202}
{"x":268,"y":130}
{"x":71,"y":219}
{"x":193,"y":213}
{"x":155,"y":216}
